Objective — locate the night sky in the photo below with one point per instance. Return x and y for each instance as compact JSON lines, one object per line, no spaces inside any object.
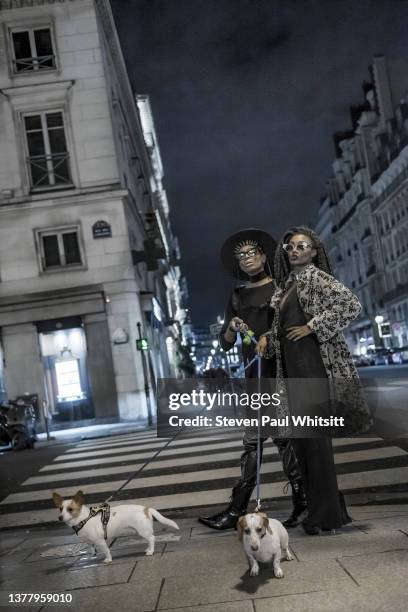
{"x":246,"y":96}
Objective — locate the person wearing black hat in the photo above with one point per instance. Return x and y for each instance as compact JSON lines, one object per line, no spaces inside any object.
{"x":248,"y":256}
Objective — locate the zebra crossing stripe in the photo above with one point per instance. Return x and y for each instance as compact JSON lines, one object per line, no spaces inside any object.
{"x":215,"y":497}
{"x":169,"y":463}
{"x":193,"y":476}
{"x":168,"y":451}
{"x":158,"y":442}
{"x":171,"y":450}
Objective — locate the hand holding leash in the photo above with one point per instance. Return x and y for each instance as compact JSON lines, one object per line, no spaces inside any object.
{"x":237,"y":325}
{"x":261,"y":346}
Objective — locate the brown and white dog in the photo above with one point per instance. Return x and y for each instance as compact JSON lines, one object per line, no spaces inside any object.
{"x":122,"y":519}
{"x":263,"y":539}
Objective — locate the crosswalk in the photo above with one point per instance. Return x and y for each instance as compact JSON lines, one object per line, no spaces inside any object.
{"x":187,"y":472}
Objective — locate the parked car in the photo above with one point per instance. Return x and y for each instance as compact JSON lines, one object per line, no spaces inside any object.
{"x":400,"y":355}
{"x":383,"y":356}
{"x":362,"y":360}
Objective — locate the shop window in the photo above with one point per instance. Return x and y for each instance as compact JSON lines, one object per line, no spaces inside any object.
{"x":63,"y":353}
{"x":48,"y":157}
{"x":60,"y":248}
{"x":33,"y":49}
{"x":68,"y":380}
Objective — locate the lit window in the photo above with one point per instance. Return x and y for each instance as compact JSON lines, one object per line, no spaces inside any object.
{"x":33,"y":49}
{"x":68,"y":380}
{"x":60,"y":248}
{"x":48,"y":158}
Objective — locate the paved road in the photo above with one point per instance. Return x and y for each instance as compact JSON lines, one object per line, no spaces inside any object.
{"x":389,"y":371}
{"x":389,"y":394}
{"x":190,"y":473}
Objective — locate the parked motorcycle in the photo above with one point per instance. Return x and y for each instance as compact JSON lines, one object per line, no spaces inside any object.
{"x":17,"y":424}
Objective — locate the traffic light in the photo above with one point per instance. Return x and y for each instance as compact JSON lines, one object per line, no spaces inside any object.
{"x":142,"y":344}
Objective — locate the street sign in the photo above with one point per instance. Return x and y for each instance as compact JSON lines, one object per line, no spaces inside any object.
{"x":101,"y":229}
{"x":142,"y":344}
{"x":215,"y":329}
{"x":384,"y":330}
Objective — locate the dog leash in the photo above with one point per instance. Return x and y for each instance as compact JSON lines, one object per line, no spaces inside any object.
{"x":248,"y":338}
{"x":146,"y":463}
{"x":258,"y":457}
{"x":258,"y":445}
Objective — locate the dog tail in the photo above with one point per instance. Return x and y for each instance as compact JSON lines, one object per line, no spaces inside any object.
{"x":162,"y":519}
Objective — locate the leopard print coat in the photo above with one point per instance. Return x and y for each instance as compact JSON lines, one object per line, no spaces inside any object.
{"x":329,"y":307}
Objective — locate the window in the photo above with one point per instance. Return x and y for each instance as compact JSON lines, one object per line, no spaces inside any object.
{"x":32,"y":50}
{"x":48,"y":158}
{"x":60,"y":248}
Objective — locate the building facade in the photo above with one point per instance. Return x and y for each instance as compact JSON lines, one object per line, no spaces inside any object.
{"x":88,"y":261}
{"x":364,"y":216}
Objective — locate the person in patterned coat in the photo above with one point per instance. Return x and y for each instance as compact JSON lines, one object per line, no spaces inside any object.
{"x":311,"y":308}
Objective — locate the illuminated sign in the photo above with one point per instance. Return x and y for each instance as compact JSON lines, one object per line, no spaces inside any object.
{"x":68,"y":380}
{"x":385,"y":330}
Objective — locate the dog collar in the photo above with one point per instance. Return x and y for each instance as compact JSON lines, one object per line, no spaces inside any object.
{"x":104,"y":509}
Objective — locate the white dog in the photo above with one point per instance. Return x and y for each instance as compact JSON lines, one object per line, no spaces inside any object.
{"x":263,"y":539}
{"x":121,"y":519}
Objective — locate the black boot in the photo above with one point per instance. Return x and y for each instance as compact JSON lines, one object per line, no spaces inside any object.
{"x":292,"y":472}
{"x":228,"y":518}
{"x":242,"y":491}
{"x":299,"y":505}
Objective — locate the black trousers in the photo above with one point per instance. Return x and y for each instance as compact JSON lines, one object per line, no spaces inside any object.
{"x":326,"y":505}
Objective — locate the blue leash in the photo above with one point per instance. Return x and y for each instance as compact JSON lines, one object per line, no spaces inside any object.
{"x":257,"y":359}
{"x":258,"y":446}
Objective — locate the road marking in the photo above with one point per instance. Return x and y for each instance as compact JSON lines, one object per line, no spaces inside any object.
{"x":168,"y":451}
{"x":216,"y":497}
{"x":158,"y":442}
{"x":268,"y":467}
{"x":154,"y":465}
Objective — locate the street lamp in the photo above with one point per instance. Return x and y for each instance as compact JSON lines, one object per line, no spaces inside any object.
{"x":379,"y":319}
{"x":215,"y":343}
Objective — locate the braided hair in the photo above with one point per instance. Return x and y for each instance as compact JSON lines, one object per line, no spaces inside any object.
{"x":282,"y":265}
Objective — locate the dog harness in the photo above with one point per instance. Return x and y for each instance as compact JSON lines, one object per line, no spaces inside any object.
{"x":104,"y":509}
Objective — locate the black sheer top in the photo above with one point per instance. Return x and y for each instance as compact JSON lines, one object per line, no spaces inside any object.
{"x":251,"y":304}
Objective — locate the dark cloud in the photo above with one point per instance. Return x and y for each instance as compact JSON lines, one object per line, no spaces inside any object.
{"x":246,"y":96}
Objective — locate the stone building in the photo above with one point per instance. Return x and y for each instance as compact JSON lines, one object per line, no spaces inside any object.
{"x":364,"y":216}
{"x":86,"y":248}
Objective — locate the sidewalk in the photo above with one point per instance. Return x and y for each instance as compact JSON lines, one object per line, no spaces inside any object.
{"x":365,"y":568}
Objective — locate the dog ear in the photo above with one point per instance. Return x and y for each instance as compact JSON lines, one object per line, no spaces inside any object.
{"x":241,"y":526}
{"x":57,"y":499}
{"x":79,"y":498}
{"x":266,"y":524}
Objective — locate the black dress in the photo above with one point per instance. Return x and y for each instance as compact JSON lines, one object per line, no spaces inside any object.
{"x":302,"y":359}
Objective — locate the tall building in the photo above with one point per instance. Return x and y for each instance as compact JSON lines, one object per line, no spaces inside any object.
{"x":88,"y":260}
{"x":365,"y":212}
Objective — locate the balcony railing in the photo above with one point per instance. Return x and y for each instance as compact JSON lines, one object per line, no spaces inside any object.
{"x":28,"y":64}
{"x":49,"y":171}
{"x":402,"y":176}
{"x":400,"y":291}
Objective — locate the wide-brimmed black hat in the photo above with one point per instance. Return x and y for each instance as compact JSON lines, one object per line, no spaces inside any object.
{"x":261,"y":238}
